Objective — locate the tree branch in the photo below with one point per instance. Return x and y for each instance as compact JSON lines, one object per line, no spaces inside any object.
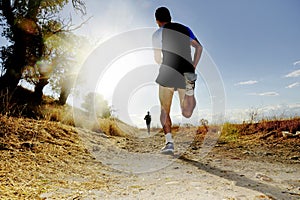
{"x":80,"y":25}
{"x":68,"y":25}
{"x":6,"y":8}
{"x":80,"y":6}
{"x":33,"y":9}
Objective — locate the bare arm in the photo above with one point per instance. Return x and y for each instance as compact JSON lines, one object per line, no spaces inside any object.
{"x":198,"y":51}
{"x":157,"y":56}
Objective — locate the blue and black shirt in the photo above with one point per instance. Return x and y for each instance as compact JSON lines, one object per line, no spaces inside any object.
{"x":174,"y":40}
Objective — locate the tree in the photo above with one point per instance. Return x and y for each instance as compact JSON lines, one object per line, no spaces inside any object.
{"x":66,"y":52}
{"x":95,"y":103}
{"x":27,"y":24}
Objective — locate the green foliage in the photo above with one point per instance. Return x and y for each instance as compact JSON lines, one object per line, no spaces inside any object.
{"x":95,"y":103}
{"x":38,"y":43}
{"x":66,"y":53}
{"x":230,"y":133}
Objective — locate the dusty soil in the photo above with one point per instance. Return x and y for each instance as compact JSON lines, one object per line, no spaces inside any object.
{"x":55,"y":161}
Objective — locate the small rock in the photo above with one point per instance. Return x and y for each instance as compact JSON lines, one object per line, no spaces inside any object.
{"x":96,"y":148}
{"x":172,"y":183}
{"x":3,"y":146}
{"x":246,"y":152}
{"x":27,"y":145}
{"x":295,"y":158}
{"x":287,"y":134}
{"x":194,"y":148}
{"x":263,"y":177}
{"x":268,"y":154}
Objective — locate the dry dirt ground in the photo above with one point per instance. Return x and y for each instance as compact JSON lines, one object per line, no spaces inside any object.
{"x":55,"y":161}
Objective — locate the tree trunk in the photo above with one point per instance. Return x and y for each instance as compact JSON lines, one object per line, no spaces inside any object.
{"x":38,"y":92}
{"x":66,"y":86}
{"x":27,"y":46}
{"x":9,"y":80}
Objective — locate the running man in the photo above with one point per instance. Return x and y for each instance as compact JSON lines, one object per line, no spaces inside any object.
{"x":172,"y":50}
{"x":148,"y":121}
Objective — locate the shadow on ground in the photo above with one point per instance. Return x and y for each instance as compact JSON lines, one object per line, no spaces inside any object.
{"x":240,"y":180}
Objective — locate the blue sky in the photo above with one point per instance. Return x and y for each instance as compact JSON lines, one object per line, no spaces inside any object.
{"x":255,"y":44}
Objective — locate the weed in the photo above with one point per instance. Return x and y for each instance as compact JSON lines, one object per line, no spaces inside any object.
{"x":230,"y":133}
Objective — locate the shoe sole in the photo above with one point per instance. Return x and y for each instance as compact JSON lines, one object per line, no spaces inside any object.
{"x":169,"y":152}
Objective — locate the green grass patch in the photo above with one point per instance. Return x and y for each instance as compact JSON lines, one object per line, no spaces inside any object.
{"x":229,"y":133}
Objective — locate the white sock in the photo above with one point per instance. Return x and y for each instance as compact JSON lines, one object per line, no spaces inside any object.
{"x":169,"y":138}
{"x":190,"y":79}
{"x":189,"y":92}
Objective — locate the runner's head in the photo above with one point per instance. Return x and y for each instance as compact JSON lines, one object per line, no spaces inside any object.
{"x":162,"y":14}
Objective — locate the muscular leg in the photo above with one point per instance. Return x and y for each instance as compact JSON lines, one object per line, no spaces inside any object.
{"x":165,"y":97}
{"x":188,"y":103}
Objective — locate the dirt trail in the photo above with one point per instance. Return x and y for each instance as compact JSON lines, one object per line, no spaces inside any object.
{"x":134,"y":169}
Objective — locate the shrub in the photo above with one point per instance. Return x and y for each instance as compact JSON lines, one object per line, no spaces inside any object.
{"x":230,"y":133}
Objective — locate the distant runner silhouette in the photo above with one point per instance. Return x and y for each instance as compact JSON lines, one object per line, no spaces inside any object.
{"x":148,"y":121}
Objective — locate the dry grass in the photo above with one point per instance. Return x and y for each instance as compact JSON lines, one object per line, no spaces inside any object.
{"x":39,"y":156}
{"x":263,"y":140}
{"x":58,"y":113}
{"x":64,"y":115}
{"x":45,"y":155}
{"x":114,"y":127}
{"x":263,"y":129}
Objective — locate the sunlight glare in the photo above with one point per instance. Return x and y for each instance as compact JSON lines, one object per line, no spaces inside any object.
{"x":119,"y":68}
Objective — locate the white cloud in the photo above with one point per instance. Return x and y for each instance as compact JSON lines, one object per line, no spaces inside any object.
{"x":269,"y":94}
{"x":293,"y":85}
{"x":296,"y":63}
{"x":251,"y":82}
{"x":279,"y":111}
{"x":293,"y":74}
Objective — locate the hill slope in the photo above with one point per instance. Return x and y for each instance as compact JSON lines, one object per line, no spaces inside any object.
{"x":35,"y":155}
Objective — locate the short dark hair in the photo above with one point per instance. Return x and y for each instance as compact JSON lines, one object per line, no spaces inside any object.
{"x":162,"y":14}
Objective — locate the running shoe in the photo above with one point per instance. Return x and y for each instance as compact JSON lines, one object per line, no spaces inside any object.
{"x":190,"y":79}
{"x":168,"y":149}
